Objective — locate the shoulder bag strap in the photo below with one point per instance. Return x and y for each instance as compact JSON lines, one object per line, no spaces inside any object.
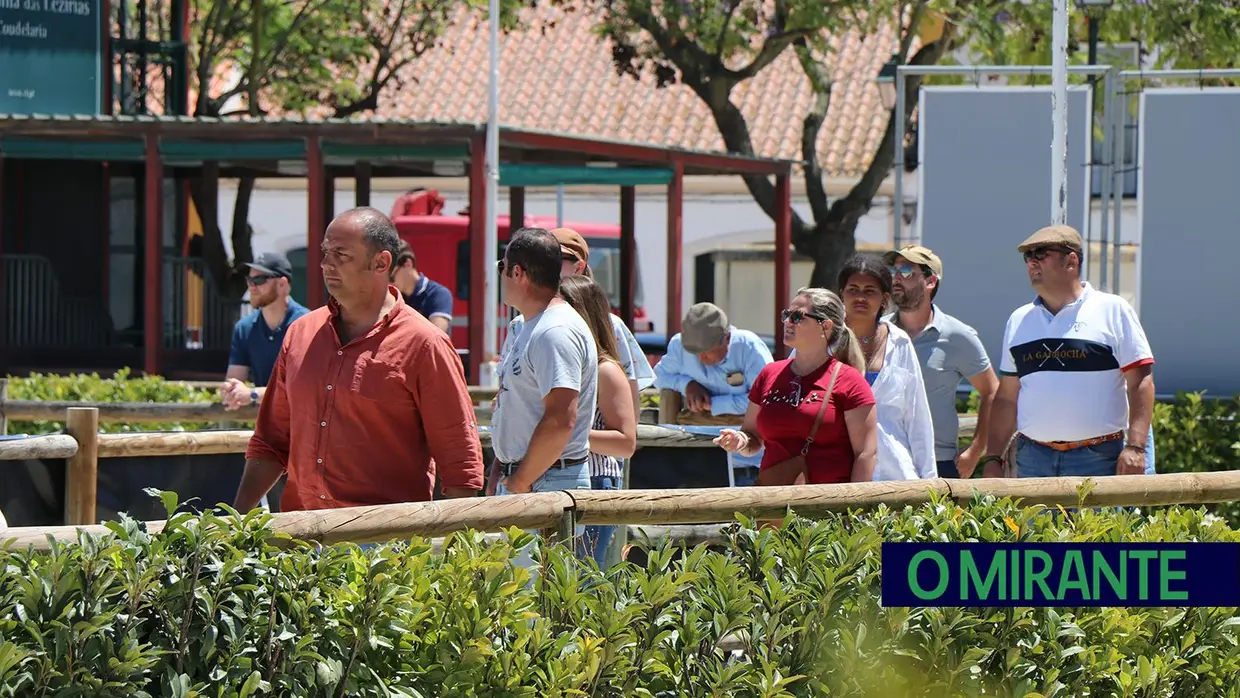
{"x":822,"y":410}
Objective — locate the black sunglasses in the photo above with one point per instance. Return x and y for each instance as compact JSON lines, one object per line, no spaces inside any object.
{"x":260,"y":279}
{"x":796,"y":316}
{"x":1042,"y":253}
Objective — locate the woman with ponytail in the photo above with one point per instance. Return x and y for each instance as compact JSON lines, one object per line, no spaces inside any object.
{"x":813,"y":413}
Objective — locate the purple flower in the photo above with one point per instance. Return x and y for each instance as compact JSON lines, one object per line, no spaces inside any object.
{"x":1003,"y":16}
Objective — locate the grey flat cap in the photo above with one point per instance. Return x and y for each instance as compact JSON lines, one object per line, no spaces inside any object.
{"x":703,"y":328}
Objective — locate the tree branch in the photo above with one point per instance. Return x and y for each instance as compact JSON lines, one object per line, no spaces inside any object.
{"x":820,"y":85}
{"x":849,"y":209}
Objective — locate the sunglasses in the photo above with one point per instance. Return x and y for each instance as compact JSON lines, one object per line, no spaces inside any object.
{"x":566,"y":257}
{"x":1043,"y":252}
{"x":260,"y":280}
{"x":903,"y":271}
{"x":796,"y":316}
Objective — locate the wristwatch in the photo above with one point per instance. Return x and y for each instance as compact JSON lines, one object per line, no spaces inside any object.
{"x":986,"y":459}
{"x":253,"y":397}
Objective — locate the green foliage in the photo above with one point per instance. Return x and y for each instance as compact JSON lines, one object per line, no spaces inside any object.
{"x":1187,"y":35}
{"x":120,"y":387}
{"x":210,"y":606}
{"x":1193,"y":434}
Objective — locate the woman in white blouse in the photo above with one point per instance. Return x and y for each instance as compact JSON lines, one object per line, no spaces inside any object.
{"x":905,"y":432}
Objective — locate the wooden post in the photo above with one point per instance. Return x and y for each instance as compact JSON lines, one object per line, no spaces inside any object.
{"x":669,"y":406}
{"x":4,"y":395}
{"x":82,"y":468}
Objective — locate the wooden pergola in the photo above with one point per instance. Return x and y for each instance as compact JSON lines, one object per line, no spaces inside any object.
{"x":321,"y":150}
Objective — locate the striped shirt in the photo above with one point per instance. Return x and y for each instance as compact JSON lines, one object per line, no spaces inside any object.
{"x":600,"y":465}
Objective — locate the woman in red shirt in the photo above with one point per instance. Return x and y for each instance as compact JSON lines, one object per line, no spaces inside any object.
{"x":785,"y":399}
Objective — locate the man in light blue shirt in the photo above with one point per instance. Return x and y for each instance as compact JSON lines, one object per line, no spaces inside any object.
{"x":713,"y":365}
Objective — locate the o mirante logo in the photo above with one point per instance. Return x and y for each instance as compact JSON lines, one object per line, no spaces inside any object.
{"x":1060,"y":574}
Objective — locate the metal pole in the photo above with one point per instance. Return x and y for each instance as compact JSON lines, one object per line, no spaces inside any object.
{"x":559,"y":206}
{"x":898,"y":208}
{"x":490,"y":314}
{"x":1059,"y":109}
{"x":1119,"y":123}
{"x":1105,"y":175}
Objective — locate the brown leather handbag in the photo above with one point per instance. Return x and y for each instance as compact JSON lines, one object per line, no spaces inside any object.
{"x":793,"y":470}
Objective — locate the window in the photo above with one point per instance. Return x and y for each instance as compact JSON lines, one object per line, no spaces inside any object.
{"x":604,"y":263}
{"x":462,"y":267}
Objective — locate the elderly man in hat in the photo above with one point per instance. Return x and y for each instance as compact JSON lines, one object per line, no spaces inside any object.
{"x":949,"y":351}
{"x":1076,"y":374}
{"x":257,"y":337}
{"x":713,"y":365}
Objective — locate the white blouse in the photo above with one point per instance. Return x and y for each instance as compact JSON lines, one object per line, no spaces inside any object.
{"x":905,"y":431}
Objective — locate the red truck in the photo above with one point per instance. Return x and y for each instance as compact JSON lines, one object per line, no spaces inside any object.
{"x":441,"y":244}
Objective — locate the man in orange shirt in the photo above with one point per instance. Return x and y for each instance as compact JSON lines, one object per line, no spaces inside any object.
{"x":367,"y":396}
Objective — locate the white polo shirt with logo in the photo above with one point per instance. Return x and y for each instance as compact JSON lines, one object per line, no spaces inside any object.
{"x":1071,"y":365}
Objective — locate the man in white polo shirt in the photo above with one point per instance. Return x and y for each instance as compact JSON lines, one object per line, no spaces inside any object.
{"x":1076,"y":373}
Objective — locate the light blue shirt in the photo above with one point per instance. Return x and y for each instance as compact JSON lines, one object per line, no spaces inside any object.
{"x":631,"y":356}
{"x":747,"y":355}
{"x":728,"y":381}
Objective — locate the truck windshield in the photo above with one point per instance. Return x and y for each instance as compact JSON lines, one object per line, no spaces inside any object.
{"x":604,"y":262}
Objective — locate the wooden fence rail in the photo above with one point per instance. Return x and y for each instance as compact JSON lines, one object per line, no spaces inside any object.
{"x":716,"y":505}
{"x":82,"y":447}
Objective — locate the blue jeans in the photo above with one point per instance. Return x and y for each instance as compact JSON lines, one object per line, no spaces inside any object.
{"x":1035,"y":460}
{"x":597,"y":539}
{"x":573,"y":477}
{"x":947,"y":469}
{"x":744,"y":476}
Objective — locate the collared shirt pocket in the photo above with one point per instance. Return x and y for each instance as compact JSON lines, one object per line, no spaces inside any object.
{"x":381,"y":381}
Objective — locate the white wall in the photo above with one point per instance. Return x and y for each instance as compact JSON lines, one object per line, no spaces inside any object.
{"x":279,"y":216}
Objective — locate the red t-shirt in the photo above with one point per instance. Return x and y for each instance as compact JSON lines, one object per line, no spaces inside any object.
{"x":789,"y":406}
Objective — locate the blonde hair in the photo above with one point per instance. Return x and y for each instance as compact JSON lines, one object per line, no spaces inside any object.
{"x":842,"y":344}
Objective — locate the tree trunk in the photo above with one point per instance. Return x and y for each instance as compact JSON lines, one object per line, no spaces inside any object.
{"x":212,"y":248}
{"x":834,"y":242}
{"x":242,"y":233}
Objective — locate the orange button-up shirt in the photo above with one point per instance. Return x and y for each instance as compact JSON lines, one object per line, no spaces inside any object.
{"x":368,"y":421}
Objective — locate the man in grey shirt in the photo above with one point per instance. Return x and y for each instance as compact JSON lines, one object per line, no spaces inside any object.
{"x":546,"y":400}
{"x":949,"y":351}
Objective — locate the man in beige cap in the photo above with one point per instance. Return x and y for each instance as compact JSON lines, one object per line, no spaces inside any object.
{"x":949,"y":351}
{"x":1076,"y":375}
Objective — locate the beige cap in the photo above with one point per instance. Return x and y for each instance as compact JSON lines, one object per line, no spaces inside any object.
{"x":917,"y":255}
{"x":703,"y":328}
{"x":572,"y":243}
{"x":1052,"y":236}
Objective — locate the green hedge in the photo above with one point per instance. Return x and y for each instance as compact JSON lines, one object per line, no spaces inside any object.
{"x":120,"y":387}
{"x":206,"y":608}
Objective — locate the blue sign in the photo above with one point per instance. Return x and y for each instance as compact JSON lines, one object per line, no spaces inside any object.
{"x":51,"y":58}
{"x":1061,"y":574}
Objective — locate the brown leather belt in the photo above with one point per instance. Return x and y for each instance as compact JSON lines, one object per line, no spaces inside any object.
{"x":1086,"y":443}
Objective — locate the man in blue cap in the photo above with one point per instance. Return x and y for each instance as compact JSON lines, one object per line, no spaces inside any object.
{"x":257,"y":338}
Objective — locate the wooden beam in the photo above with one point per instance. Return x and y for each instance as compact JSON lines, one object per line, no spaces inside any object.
{"x":687,"y":506}
{"x":316,"y":226}
{"x":153,"y":263}
{"x":628,"y":253}
{"x":675,"y":248}
{"x":783,"y":258}
{"x":52,"y":446}
{"x":82,"y":468}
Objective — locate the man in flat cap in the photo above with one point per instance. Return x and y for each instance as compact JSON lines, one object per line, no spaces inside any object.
{"x":949,"y":351}
{"x":1076,"y":375}
{"x":713,"y":365}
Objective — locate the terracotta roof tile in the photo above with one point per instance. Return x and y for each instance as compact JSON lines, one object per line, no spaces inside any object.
{"x":559,"y":77}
